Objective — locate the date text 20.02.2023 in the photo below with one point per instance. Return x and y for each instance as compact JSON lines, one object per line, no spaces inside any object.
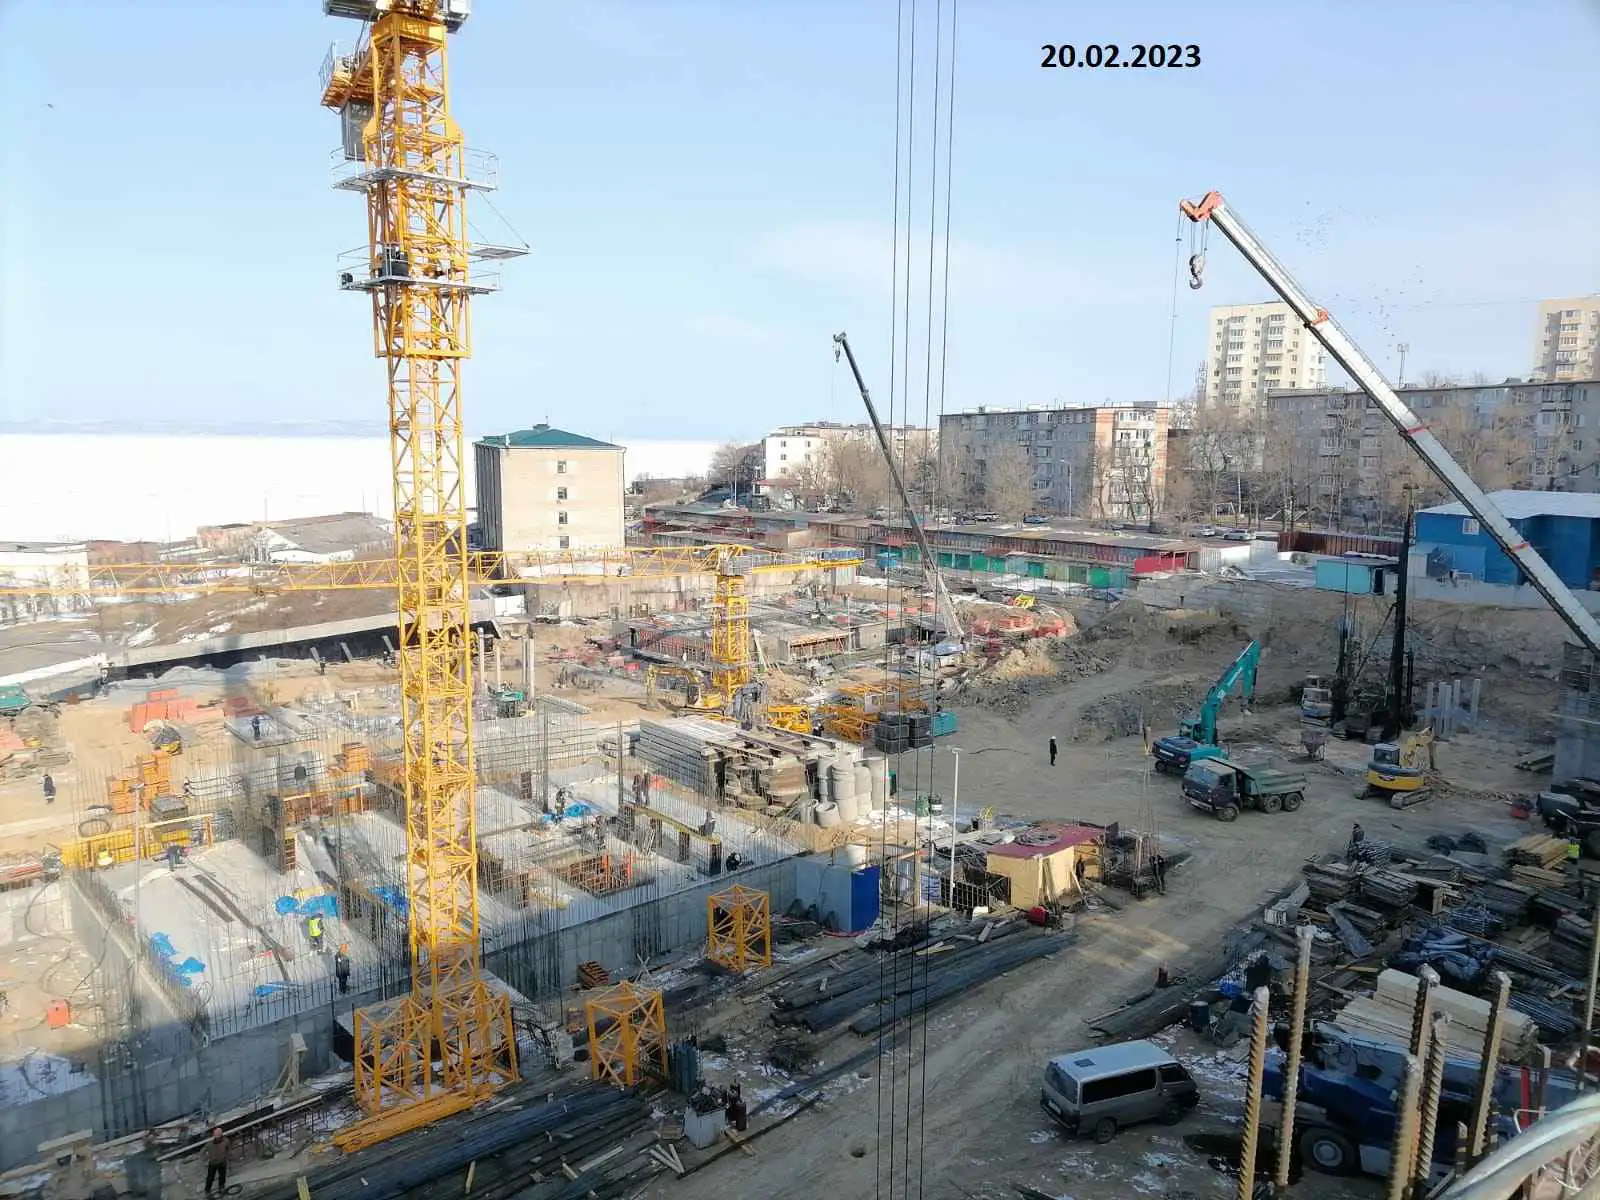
{"x":1155,"y":55}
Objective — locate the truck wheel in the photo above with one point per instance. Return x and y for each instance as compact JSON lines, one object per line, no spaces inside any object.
{"x":1328,"y":1151}
{"x":1161,"y":766}
{"x":1228,"y":812}
{"x":1293,"y":801}
{"x":1104,"y":1130}
{"x":1271,"y":804}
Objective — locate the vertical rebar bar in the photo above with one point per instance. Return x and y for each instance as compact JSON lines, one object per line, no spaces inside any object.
{"x":1403,"y":1151}
{"x":1422,"y":1009}
{"x":1291,"y":1067}
{"x":1588,"y":997}
{"x":1432,"y":1086}
{"x":1488,"y":1065}
{"x":1252,"y":1096}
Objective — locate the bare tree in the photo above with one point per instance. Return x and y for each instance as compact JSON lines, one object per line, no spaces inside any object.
{"x":1008,"y":481}
{"x":855,"y":469}
{"x":732,"y":462}
{"x":959,"y":485}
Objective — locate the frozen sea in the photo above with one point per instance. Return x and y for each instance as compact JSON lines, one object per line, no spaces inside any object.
{"x":162,"y":487}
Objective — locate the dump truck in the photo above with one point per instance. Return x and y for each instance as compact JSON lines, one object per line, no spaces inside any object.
{"x":1222,"y":787}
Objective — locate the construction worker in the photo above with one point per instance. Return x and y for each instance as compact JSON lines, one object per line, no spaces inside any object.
{"x":1052,"y":752}
{"x":49,"y":789}
{"x":341,"y":968}
{"x":314,"y":932}
{"x":174,"y":856}
{"x":217,"y":1162}
{"x":255,"y":726}
{"x":1357,"y":836}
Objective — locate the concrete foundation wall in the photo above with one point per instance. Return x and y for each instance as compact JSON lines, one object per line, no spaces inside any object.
{"x":170,"y":1070}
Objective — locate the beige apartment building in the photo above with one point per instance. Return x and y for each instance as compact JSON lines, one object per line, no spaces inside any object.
{"x":1253,"y":349}
{"x":799,"y":452}
{"x":1104,"y":461}
{"x":547,"y":489}
{"x":1538,"y":435}
{"x":1566,"y":341}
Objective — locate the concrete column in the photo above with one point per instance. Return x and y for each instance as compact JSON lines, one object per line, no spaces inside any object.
{"x":527,"y":666}
{"x":1476,"y":697}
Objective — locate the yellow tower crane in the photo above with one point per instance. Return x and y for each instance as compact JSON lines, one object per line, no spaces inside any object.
{"x":404,"y":152}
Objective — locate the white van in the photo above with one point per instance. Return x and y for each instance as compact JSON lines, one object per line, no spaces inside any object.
{"x":1100,"y":1090}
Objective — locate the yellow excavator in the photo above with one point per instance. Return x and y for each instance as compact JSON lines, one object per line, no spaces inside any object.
{"x":1398,"y":771}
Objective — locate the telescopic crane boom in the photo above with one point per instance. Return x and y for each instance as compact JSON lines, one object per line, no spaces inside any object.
{"x":1360,"y":368}
{"x":930,"y":564}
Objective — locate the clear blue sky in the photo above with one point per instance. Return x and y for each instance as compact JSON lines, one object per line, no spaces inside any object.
{"x":707,"y":187}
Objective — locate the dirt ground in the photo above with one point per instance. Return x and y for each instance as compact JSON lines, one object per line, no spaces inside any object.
{"x":977,"y":1128}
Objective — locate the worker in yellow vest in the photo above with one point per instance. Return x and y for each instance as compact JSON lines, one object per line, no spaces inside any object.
{"x":314,"y":932}
{"x":1572,"y":849}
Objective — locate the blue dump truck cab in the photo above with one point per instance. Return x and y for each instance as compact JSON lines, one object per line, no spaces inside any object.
{"x":1222,"y":788}
{"x":1173,"y":754}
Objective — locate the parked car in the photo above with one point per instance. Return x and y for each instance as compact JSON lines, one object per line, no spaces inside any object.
{"x":1034,"y":519}
{"x":1103,"y":1089}
{"x":986,"y":516}
{"x":1237,"y":535}
{"x":1206,"y":531}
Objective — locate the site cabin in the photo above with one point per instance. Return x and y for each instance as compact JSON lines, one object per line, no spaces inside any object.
{"x":1222,"y":788}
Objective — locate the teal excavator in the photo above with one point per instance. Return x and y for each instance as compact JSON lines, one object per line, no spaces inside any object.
{"x":1196,"y":738}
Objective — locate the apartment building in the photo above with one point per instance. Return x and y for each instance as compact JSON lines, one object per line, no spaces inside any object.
{"x":547,"y":489}
{"x":1539,"y":435}
{"x":1107,"y":461}
{"x":1253,"y":349}
{"x":1566,"y":340}
{"x":796,"y":452}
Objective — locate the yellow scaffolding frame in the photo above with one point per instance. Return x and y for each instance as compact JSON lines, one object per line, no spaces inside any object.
{"x":627,"y":1034}
{"x":739,"y":928}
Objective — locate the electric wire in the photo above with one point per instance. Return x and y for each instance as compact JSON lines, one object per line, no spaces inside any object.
{"x":883,"y":846}
{"x":1172,"y":329}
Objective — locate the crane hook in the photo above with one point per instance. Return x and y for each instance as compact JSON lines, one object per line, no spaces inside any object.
{"x":1197,"y":268}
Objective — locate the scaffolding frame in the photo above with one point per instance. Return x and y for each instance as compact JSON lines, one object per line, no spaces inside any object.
{"x":739,"y":928}
{"x":627,"y":1035}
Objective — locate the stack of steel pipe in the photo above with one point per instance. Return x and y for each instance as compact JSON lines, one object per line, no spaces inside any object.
{"x":497,"y":1141}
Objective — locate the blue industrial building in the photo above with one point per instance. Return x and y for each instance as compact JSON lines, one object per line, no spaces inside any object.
{"x":1564,"y":527}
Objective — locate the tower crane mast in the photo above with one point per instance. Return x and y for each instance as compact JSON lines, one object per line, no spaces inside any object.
{"x":404,"y":152}
{"x":1348,"y":355}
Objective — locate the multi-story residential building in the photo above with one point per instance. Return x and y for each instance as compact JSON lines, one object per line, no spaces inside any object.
{"x":1566,"y":341}
{"x":1544,"y":436}
{"x":547,"y":489}
{"x":796,"y":452}
{"x":1257,"y":348}
{"x":1099,"y":461}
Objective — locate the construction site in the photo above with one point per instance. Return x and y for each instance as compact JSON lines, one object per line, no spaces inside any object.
{"x":559,"y":874}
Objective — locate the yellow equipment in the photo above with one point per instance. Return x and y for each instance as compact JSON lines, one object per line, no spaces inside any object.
{"x":406,"y":155}
{"x":1399,"y":772}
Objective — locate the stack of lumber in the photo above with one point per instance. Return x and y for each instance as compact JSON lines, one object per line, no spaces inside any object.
{"x":1388,"y":887}
{"x":1506,"y":898}
{"x":1330,"y":881}
{"x":1537,"y":850}
{"x":1387,"y":1014}
{"x":1570,"y":938}
{"x":1539,"y":878}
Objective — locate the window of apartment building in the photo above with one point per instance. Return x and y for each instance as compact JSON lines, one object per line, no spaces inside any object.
{"x":561,"y":493}
{"x":561,"y":466}
{"x":1235,"y":371}
{"x":561,"y":518}
{"x":783,"y":445}
{"x":564,"y":542}
{"x":1469,"y":527}
{"x":783,"y":458}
